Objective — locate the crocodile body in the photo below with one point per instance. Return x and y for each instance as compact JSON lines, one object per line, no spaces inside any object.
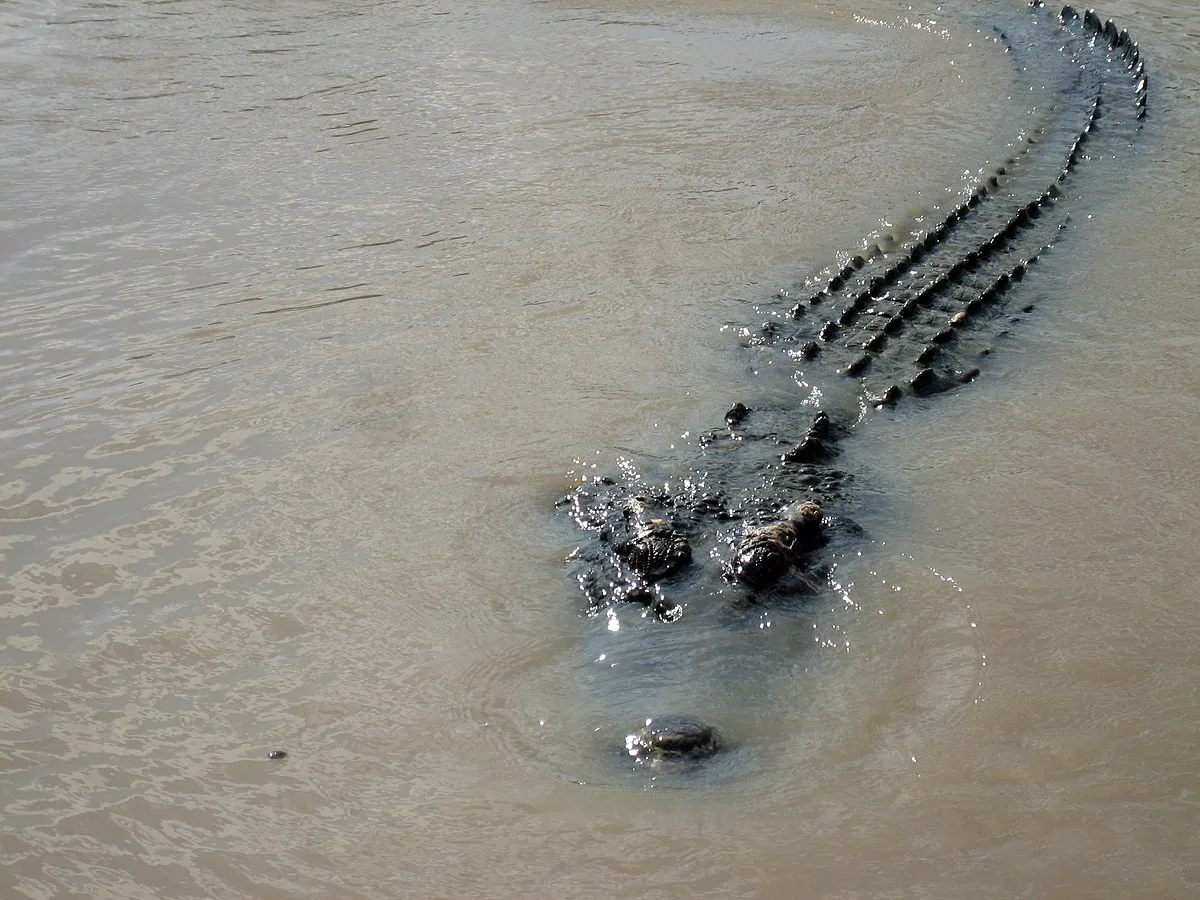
{"x":760,"y":509}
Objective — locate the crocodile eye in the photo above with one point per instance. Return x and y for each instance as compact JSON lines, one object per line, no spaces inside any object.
{"x":761,"y":565}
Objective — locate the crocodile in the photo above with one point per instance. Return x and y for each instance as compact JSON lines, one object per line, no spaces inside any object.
{"x":759,"y":510}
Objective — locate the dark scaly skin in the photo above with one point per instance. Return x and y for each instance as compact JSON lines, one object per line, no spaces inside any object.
{"x":767,"y":553}
{"x":763,"y":499}
{"x":667,"y":741}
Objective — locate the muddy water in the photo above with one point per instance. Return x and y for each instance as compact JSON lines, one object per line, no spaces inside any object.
{"x":309,"y":312}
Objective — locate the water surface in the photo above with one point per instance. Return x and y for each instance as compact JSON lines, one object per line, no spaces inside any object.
{"x":311,"y":310}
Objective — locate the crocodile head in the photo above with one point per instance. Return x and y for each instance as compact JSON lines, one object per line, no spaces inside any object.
{"x":677,"y":740}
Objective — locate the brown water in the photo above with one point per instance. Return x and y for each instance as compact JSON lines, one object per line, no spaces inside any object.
{"x":309,"y":309}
